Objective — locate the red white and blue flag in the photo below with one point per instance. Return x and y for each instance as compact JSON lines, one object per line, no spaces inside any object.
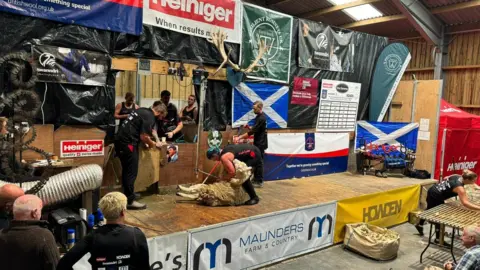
{"x":115,"y":15}
{"x":295,"y":155}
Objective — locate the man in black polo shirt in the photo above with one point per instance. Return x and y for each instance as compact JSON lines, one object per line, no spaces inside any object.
{"x":171,"y":126}
{"x":259,"y":132}
{"x":136,"y":129}
{"x":249,"y":154}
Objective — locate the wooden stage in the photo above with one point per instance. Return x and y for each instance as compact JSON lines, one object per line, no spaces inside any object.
{"x":168,"y":214}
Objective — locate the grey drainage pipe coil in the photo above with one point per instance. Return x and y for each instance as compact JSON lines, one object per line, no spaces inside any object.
{"x":67,"y":185}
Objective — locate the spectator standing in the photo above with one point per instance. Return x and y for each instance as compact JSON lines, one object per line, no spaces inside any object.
{"x":170,"y":126}
{"x":190,"y":112}
{"x":27,"y":244}
{"x":259,"y":132}
{"x":122,"y":110}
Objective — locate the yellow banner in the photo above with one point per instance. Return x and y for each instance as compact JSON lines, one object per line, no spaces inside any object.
{"x":383,"y":209}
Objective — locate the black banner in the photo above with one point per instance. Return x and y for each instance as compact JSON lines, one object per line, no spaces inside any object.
{"x":367,"y":49}
{"x":218,"y":105}
{"x":74,"y":66}
{"x":321,"y":47}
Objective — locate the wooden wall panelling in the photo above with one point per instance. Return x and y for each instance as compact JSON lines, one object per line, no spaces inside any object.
{"x":125,"y":82}
{"x":183,"y":170}
{"x":421,"y":63}
{"x":64,"y":133}
{"x":426,"y":106}
{"x":152,"y":85}
{"x":161,"y":67}
{"x":461,"y":73}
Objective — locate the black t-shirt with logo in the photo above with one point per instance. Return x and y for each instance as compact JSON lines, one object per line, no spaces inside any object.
{"x":243,"y":152}
{"x":444,"y":190}
{"x":112,"y":247}
{"x":169,"y":123}
{"x":138,"y":122}
{"x":259,"y":131}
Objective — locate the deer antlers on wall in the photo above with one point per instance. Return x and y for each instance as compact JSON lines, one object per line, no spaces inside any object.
{"x":217,"y":38}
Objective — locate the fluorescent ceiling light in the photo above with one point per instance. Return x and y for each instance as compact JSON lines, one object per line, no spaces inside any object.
{"x":363,"y":12}
{"x":340,"y":2}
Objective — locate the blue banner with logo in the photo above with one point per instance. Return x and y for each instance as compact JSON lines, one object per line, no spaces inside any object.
{"x":296,"y":155}
{"x":115,"y":15}
{"x":389,"y":69}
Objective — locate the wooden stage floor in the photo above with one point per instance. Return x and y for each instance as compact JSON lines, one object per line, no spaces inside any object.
{"x":168,"y":214}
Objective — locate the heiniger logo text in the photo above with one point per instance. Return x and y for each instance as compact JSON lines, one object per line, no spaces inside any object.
{"x":461,"y":165}
{"x":215,"y":12}
{"x":82,"y":148}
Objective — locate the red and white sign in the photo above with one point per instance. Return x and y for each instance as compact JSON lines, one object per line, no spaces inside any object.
{"x":81,"y":148}
{"x":304,"y":91}
{"x":196,"y":17}
{"x":462,"y":141}
{"x":462,"y":151}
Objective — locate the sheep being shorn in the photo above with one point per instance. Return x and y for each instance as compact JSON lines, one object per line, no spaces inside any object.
{"x":221,"y":193}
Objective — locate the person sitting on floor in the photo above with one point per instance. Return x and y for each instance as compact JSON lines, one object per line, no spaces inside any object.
{"x":111,"y":241}
{"x":443,"y":190}
{"x":8,"y":194}
{"x":27,"y":244}
{"x":471,"y":259}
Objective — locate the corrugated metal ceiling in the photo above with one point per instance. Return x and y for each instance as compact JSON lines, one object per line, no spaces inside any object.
{"x":441,"y":3}
{"x":395,"y":28}
{"x":467,"y":15}
{"x":297,"y":7}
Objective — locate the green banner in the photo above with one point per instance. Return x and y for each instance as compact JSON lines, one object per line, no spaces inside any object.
{"x":273,"y":28}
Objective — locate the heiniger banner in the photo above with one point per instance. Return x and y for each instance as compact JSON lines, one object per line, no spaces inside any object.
{"x":195,"y":17}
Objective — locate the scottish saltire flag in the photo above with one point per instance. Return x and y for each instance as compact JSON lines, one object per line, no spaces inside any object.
{"x":275,"y":104}
{"x":376,"y":134}
{"x":299,"y":155}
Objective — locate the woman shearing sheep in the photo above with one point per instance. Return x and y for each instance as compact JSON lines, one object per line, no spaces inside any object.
{"x":450,"y":187}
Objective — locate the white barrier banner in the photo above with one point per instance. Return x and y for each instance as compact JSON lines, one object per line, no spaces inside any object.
{"x":167,"y":252}
{"x":196,"y":17}
{"x":251,"y":243}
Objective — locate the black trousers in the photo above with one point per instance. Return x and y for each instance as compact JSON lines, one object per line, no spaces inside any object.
{"x":262,"y":151}
{"x":257,"y":166}
{"x":250,"y":189}
{"x":431,"y":203}
{"x":128,"y":155}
